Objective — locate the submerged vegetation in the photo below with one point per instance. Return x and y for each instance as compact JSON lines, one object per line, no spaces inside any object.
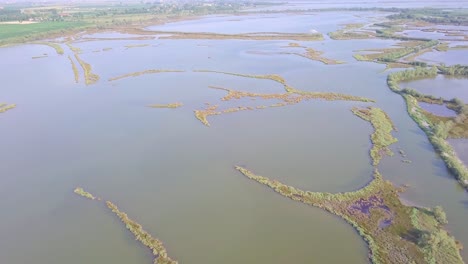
{"x":390,"y":228}
{"x":156,"y":246}
{"x":382,"y":136}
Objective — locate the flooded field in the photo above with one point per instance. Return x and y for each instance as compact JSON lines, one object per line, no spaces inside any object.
{"x":84,"y":119}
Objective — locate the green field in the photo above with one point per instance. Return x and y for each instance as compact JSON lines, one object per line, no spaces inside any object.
{"x":21,"y":32}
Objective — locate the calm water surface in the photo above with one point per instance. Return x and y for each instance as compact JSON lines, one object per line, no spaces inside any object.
{"x":450,"y":57}
{"x":436,"y":109}
{"x":318,"y":4}
{"x":174,"y":175}
{"x":442,"y":86}
{"x":460,"y":145}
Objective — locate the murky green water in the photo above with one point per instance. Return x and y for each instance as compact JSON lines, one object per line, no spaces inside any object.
{"x":175,"y":176}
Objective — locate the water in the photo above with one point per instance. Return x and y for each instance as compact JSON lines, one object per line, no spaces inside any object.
{"x":460,"y":145}
{"x":162,"y":167}
{"x":461,"y":148}
{"x":416,"y":33}
{"x":449,"y":58}
{"x":317,"y":4}
{"x":439,"y":110}
{"x":323,"y":22}
{"x":175,"y":176}
{"x":441,"y":86}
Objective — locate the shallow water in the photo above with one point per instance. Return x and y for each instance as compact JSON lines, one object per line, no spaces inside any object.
{"x":439,"y":110}
{"x":286,"y":23}
{"x":460,"y":145}
{"x":449,"y":58}
{"x":163,"y":167}
{"x":318,"y":4}
{"x":414,"y":33}
{"x":441,"y":86}
{"x":174,"y":175}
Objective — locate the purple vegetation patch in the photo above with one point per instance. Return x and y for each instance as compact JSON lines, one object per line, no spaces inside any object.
{"x":364,"y":206}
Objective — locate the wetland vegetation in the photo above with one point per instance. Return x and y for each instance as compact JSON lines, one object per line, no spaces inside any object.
{"x":90,"y":77}
{"x":436,"y":128}
{"x":351,"y":31}
{"x":136,"y":74}
{"x":136,"y":46}
{"x":172,"y":105}
{"x":256,"y":36}
{"x":76,"y":73}
{"x":393,"y":55}
{"x":315,"y":55}
{"x":5,"y":107}
{"x":395,"y":232}
{"x":156,"y":246}
{"x":82,"y":192}
{"x":433,"y":15}
{"x":290,"y":97}
{"x":382,"y":136}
